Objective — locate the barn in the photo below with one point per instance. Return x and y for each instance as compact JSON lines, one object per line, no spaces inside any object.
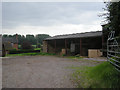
{"x":8,"y":43}
{"x":84,"y":44}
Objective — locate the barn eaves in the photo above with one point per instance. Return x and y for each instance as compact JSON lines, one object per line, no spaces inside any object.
{"x":77,"y":35}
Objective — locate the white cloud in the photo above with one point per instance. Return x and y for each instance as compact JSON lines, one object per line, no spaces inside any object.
{"x":53,"y":30}
{"x":45,"y":14}
{"x":55,"y":0}
{"x":51,"y":18}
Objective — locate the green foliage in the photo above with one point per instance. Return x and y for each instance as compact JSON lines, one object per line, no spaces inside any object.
{"x":19,"y":46}
{"x":31,"y":38}
{"x":114,"y":59}
{"x":113,"y":16}
{"x":63,"y":55}
{"x":38,"y":45}
{"x":34,"y":46}
{"x":41,"y":37}
{"x":101,"y":76}
{"x":26,"y":45}
{"x":14,"y":51}
{"x":37,"y":49}
{"x":32,"y":54}
{"x":5,"y":35}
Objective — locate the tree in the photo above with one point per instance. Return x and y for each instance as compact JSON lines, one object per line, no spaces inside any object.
{"x":113,"y":16}
{"x":26,"y":45}
{"x":5,"y":35}
{"x":31,"y":39}
{"x":10,"y":36}
{"x":41,"y":37}
{"x":34,"y":40}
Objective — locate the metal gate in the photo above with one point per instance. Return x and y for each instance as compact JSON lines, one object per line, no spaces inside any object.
{"x":113,"y":51}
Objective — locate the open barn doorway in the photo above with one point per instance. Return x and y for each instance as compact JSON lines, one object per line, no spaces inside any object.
{"x":75,"y":46}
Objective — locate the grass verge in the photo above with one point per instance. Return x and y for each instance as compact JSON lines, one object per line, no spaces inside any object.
{"x":103,"y":75}
{"x":30,"y":54}
{"x":37,"y":49}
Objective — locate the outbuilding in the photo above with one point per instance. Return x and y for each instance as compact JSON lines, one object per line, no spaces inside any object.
{"x":8,"y":43}
{"x":84,"y":44}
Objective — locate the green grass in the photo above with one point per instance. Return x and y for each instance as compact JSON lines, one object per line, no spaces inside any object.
{"x":19,"y":46}
{"x":30,"y":54}
{"x":103,"y":75}
{"x":34,"y":46}
{"x":37,"y":49}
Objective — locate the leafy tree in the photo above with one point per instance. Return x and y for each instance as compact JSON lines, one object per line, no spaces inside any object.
{"x":38,"y":45}
{"x":5,"y":35}
{"x":113,"y":16}
{"x":34,"y":40}
{"x":31,"y":39}
{"x":41,"y":37}
{"x":26,"y":45}
{"x":10,"y":36}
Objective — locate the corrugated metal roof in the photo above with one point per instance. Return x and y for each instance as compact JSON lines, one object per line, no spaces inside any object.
{"x":77,"y":35}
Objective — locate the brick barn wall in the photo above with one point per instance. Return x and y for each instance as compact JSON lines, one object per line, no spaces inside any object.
{"x":45,"y":46}
{"x":15,"y":46}
{"x":51,"y":49}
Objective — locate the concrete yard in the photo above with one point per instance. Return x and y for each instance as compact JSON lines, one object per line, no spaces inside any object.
{"x":39,"y":71}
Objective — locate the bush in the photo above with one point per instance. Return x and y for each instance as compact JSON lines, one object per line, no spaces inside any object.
{"x":26,"y":45}
{"x":34,"y":46}
{"x":31,"y":54}
{"x":19,"y":46}
{"x":22,"y":51}
{"x":38,"y":45}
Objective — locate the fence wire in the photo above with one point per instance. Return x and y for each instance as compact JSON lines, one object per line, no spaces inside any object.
{"x":113,"y":51}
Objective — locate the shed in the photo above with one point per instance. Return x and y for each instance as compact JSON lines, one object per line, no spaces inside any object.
{"x":73,"y":44}
{"x":8,"y":43}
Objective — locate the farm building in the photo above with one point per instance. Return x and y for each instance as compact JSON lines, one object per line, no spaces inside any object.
{"x":8,"y":44}
{"x":12,"y":41}
{"x":84,"y":44}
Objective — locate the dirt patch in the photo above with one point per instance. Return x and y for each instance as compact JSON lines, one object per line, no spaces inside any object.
{"x":39,"y":71}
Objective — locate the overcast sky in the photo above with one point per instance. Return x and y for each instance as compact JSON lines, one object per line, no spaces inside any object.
{"x":51,"y":18}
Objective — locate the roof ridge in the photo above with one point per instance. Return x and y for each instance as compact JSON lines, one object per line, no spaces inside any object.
{"x":77,"y":33}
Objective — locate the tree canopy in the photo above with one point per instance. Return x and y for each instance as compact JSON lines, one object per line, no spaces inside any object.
{"x":34,"y":40}
{"x":113,"y":16}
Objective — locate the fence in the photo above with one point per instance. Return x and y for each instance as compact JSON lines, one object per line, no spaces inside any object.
{"x":113,"y":51}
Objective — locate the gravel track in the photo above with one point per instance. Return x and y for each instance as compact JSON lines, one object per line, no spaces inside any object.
{"x":39,"y":71}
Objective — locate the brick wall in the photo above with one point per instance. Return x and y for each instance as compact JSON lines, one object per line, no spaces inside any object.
{"x":15,"y":46}
{"x":51,"y":49}
{"x":45,"y":46}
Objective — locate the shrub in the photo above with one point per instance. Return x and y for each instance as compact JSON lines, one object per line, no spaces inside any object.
{"x":31,"y":54}
{"x":26,"y":45}
{"x":38,"y":45}
{"x":19,"y":46}
{"x":23,"y":51}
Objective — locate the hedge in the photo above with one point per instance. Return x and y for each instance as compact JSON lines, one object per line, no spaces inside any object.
{"x":22,"y":51}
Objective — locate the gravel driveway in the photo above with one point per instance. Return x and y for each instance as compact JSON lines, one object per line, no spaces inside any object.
{"x":39,"y":71}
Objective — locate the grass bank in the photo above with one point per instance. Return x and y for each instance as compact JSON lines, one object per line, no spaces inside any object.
{"x":30,"y":54}
{"x":103,"y":75}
